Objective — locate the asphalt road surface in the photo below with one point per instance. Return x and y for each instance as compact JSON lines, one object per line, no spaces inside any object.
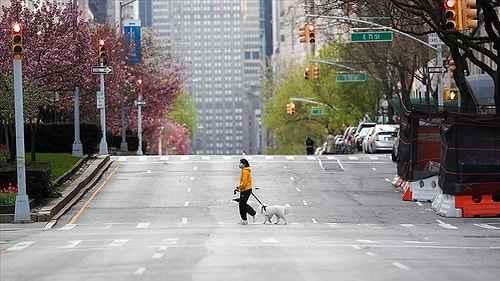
{"x":173,"y":218}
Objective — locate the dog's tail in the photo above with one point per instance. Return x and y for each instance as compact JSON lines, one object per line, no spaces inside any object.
{"x":287,"y":209}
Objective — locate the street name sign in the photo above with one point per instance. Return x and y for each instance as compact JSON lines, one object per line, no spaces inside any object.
{"x":102,"y":70}
{"x":351,"y":77}
{"x":317,"y":111}
{"x":437,"y":69}
{"x":377,"y":36}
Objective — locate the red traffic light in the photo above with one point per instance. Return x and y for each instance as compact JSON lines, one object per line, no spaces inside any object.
{"x":17,"y":40}
{"x":102,"y":52}
{"x":449,"y":4}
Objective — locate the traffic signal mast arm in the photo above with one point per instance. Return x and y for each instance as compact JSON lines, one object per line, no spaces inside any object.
{"x":306,"y":100}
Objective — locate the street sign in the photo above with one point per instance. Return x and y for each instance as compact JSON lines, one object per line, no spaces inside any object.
{"x":437,"y":69}
{"x":351,"y":77}
{"x":317,"y":111}
{"x":102,"y":70}
{"x":378,"y":36}
{"x":433,"y":39}
{"x":100,"y":100}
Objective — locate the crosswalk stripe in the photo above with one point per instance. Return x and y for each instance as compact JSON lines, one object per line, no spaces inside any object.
{"x":21,"y":246}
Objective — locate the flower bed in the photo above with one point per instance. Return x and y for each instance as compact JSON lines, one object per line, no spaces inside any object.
{"x":8,"y":195}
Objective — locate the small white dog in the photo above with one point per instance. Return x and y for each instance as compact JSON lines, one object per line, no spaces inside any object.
{"x":276,"y":210}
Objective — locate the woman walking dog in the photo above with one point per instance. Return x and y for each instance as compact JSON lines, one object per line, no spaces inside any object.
{"x":245,"y":189}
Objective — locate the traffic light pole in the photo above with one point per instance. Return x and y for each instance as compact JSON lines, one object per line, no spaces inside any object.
{"x":22,"y":207}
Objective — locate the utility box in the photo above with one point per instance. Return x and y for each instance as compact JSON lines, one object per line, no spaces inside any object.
{"x":482,"y":88}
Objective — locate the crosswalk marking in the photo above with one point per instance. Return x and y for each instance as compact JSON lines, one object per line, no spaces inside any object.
{"x":118,"y":242}
{"x":143,"y":225}
{"x":71,"y":244}
{"x":487,"y":226}
{"x":21,"y":246}
{"x":67,"y":227}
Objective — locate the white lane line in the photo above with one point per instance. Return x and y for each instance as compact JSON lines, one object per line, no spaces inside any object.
{"x":387,"y":180}
{"x":304,"y":202}
{"x":367,"y":241}
{"x":269,"y":240}
{"x":400,"y":265}
{"x":157,"y":256}
{"x":143,"y":225}
{"x":298,"y":189}
{"x":340,"y":165}
{"x":446,"y":225}
{"x":356,"y":247}
{"x":374,"y":169}
{"x":186,"y":203}
{"x":371,"y":254}
{"x":148,"y":172}
{"x":170,"y":241}
{"x":184,"y":220}
{"x":67,"y":227}
{"x":407,"y":225}
{"x":485,"y":225}
{"x":71,"y":244}
{"x":140,"y":271}
{"x":21,"y":246}
{"x":118,"y":242}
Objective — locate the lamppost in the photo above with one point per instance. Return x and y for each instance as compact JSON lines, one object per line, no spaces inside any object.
{"x":123,"y":144}
{"x":139,"y":104}
{"x":160,"y":148}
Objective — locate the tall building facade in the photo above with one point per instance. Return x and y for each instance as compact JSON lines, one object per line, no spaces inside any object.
{"x":220,"y":44}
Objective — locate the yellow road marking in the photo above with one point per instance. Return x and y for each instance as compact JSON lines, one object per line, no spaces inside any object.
{"x":87,"y":203}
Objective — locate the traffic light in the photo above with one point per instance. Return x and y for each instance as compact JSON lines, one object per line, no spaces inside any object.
{"x":303,"y":34}
{"x":102,"y":52}
{"x":311,"y":33}
{"x":16,"y":32}
{"x":450,"y":94}
{"x":315,"y":73}
{"x":451,"y":67}
{"x":290,"y":108}
{"x":469,"y":14}
{"x":453,"y":95}
{"x":307,"y":72}
{"x":452,"y":15}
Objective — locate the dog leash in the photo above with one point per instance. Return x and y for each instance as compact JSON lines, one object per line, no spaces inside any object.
{"x":259,"y":201}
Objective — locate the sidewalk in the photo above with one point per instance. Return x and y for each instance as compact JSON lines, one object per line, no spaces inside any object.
{"x":57,"y":207}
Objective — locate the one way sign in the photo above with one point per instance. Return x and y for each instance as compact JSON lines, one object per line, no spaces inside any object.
{"x":101,"y":70}
{"x":437,"y":69}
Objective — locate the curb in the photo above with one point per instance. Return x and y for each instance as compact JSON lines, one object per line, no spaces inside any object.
{"x":71,"y":195}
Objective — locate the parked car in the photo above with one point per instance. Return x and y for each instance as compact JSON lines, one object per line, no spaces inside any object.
{"x":348,"y":144}
{"x":367,"y":140}
{"x":382,"y":138}
{"x":358,"y":138}
{"x":339,"y":141}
